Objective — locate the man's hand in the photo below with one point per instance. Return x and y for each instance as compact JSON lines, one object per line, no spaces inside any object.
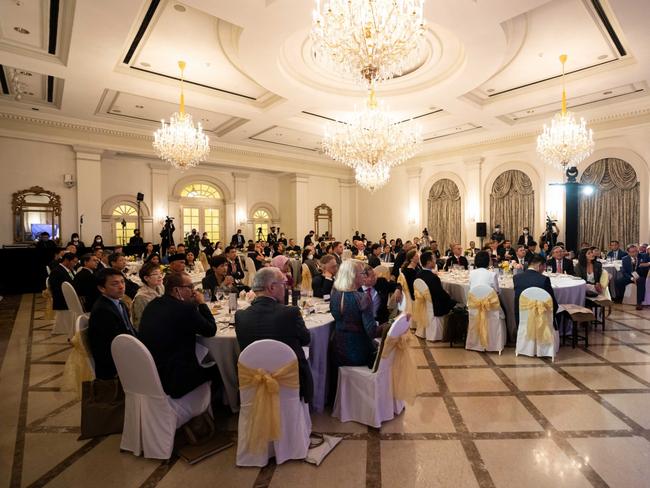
{"x":397,"y":295}
{"x":229,"y":280}
{"x":199,"y":299}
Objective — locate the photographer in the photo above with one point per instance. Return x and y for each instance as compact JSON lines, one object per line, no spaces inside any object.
{"x":167,"y":235}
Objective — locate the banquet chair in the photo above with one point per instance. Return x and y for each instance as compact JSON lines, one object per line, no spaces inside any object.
{"x":270,"y":357}
{"x":544,"y":340}
{"x":484,"y":297}
{"x":346,"y":254}
{"x":407,"y":303}
{"x":305,"y":283}
{"x":601,"y":302}
{"x":366,"y":396}
{"x":72,"y":299}
{"x":151,"y":417}
{"x":427,"y":325}
{"x":250,"y":271}
{"x":81,"y":328}
{"x":80,"y":365}
{"x":64,"y":319}
{"x":629,"y":296}
{"x":382,"y":271}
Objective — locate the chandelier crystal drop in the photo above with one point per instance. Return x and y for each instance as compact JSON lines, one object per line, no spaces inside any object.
{"x":368,"y":40}
{"x":565,"y":143}
{"x":372,"y":177}
{"x":179,"y":142}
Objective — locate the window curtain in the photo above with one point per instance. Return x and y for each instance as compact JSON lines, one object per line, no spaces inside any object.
{"x":512,"y":204}
{"x":444,"y":213}
{"x":612,"y":210}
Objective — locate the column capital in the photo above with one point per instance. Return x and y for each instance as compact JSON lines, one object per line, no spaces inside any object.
{"x":473,"y":162}
{"x":299,"y":178}
{"x":89,"y":153}
{"x":159,"y":167}
{"x":347,"y":182}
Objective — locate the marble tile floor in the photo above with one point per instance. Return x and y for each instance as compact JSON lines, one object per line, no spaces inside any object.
{"x":480,"y":420}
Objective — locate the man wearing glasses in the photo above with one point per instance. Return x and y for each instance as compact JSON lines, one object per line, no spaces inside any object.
{"x":168,"y":328}
{"x":269,"y":318}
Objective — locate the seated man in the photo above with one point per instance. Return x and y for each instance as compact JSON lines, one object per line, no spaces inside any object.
{"x":85,"y":282}
{"x":520,"y":261}
{"x":108,"y":319}
{"x":560,"y":264}
{"x":615,"y":251}
{"x":442,"y":302}
{"x":177,"y":263}
{"x":217,"y":278}
{"x":256,"y":254}
{"x":493,"y":249}
{"x":379,"y":291}
{"x":234,"y":266}
{"x":171,"y":250}
{"x":456,"y":258}
{"x":59,"y":274}
{"x":532,"y":250}
{"x":321,"y":284}
{"x":268,"y":318}
{"x":169,"y":327}
{"x":634,"y":269}
{"x":507,"y":251}
{"x":117,"y":261}
{"x":533,"y":277}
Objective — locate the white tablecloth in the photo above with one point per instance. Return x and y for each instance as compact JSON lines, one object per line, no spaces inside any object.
{"x":224,"y":349}
{"x":567,"y":289}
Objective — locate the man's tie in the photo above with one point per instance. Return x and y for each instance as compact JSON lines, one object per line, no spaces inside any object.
{"x":127,"y":321}
{"x":559,"y":266}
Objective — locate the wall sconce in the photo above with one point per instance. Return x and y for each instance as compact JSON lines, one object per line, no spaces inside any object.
{"x":68,"y":181}
{"x":241,"y":218}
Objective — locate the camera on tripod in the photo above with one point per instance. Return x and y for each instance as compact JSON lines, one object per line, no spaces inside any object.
{"x":169,"y":220}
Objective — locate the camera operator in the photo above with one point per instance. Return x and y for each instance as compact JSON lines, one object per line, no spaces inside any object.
{"x":167,"y":235}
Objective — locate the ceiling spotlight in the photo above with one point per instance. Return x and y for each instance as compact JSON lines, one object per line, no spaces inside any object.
{"x":179,"y":8}
{"x":21,"y":30}
{"x":603,"y":56}
{"x":139,"y":106}
{"x":145,"y":64}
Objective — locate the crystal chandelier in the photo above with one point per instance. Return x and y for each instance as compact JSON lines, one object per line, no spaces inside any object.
{"x":566,"y":143}
{"x":179,"y":142}
{"x":368,"y":40}
{"x":371,"y":138}
{"x":371,"y":177}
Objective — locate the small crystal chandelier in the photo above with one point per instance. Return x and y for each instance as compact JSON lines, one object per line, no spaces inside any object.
{"x":566,"y":143}
{"x":368,"y":40}
{"x":371,"y":138}
{"x":372,"y":177}
{"x":178,"y":142}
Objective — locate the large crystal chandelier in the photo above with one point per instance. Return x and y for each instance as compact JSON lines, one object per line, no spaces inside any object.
{"x":179,"y":142}
{"x":371,"y":138}
{"x":372,"y":177}
{"x":565,"y":143}
{"x":368,"y":40}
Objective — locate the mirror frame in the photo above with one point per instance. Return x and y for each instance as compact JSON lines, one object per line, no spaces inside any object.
{"x":322,"y":212}
{"x":19,"y":201}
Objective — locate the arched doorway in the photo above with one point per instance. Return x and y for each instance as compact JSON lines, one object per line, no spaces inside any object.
{"x":444,"y":213}
{"x":202,"y":208}
{"x":512,"y":203}
{"x":611,"y":212}
{"x":124,"y":218}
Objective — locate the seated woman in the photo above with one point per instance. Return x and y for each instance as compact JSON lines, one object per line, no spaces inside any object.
{"x":482,"y":275}
{"x":151,"y":288}
{"x":217,"y":277}
{"x":308,"y":259}
{"x":590,"y":270}
{"x":410,"y":269}
{"x":191,"y":264}
{"x":148,"y":251}
{"x":282,"y":263}
{"x":355,"y":327}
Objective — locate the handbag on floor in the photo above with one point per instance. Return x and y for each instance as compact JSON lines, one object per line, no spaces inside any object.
{"x":457,"y":323}
{"x":102,"y":408}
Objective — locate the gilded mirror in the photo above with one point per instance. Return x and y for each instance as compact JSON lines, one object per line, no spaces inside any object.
{"x":323,"y":220}
{"x":36,"y":210}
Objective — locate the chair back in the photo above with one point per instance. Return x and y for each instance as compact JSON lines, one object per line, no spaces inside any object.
{"x":296,"y":272}
{"x":382,"y":271}
{"x":135,"y":367}
{"x":399,"y":326}
{"x":305,"y":284}
{"x":346,"y":254}
{"x":537,"y":294}
{"x":250,"y":271}
{"x":71,"y":298}
{"x":81,"y":328}
{"x":267,"y":354}
{"x":481,"y":291}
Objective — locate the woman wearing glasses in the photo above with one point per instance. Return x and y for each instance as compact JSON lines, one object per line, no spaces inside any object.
{"x":151,"y":288}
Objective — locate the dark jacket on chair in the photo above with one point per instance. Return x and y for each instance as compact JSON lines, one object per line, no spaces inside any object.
{"x":442,"y":302}
{"x":85,"y":284}
{"x":268,"y":319}
{"x":321,"y":286}
{"x":532,"y":279}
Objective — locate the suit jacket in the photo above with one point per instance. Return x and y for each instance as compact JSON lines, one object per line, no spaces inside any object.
{"x":105,"y":324}
{"x":237,"y":240}
{"x":85,"y":284}
{"x":524,"y":240}
{"x":59,"y":275}
{"x":442,"y":302}
{"x":268,"y":319}
{"x":567,"y":265}
{"x":387,"y":257}
{"x":384,"y":288}
{"x":169,"y":328}
{"x":508,"y":254}
{"x":619,"y":254}
{"x":529,"y":279}
{"x":321,"y":286}
{"x":627,"y":268}
{"x":461,"y":260}
{"x":307,"y":240}
{"x":399,"y":260}
{"x":373,"y":260}
{"x":131,"y":288}
{"x":236,"y":271}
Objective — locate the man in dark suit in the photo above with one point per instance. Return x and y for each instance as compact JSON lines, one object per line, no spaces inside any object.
{"x":321,"y":284}
{"x":520,"y":259}
{"x":309,"y":239}
{"x":532,"y":250}
{"x":507,"y":252}
{"x":337,"y":250}
{"x":268,"y":318}
{"x":117,"y":261}
{"x":524,"y":238}
{"x":615,"y":251}
{"x":59,"y":274}
{"x":533,"y":277}
{"x":634,"y":269}
{"x":400,"y":258}
{"x":108,"y":319}
{"x":85,"y":282}
{"x":373,"y":257}
{"x":238,"y":240}
{"x":559,"y":264}
{"x":442,"y":302}
{"x":498,"y":235}
{"x":456,"y":257}
{"x":169,"y":327}
{"x":379,"y":290}
{"x":234,"y":265}
{"x":136,"y":239}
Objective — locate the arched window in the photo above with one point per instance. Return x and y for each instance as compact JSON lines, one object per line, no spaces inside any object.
{"x":202,"y":209}
{"x":125,"y":221}
{"x":262,"y":223}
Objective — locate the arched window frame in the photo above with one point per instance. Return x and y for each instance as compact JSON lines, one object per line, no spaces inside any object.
{"x":202,"y":208}
{"x":123,"y":212}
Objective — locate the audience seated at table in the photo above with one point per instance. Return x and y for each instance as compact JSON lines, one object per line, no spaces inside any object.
{"x":235,"y":268}
{"x":169,"y":327}
{"x":151,"y":288}
{"x":217,"y":278}
{"x":634,"y":269}
{"x":170,"y":251}
{"x":481,"y":275}
{"x":310,"y":261}
{"x":410,"y":269}
{"x":442,"y":302}
{"x":456,"y":257}
{"x":108,"y":319}
{"x":560,"y":264}
{"x":355,"y":325}
{"x":117,"y":261}
{"x":282,"y":263}
{"x":387,"y":256}
{"x":507,"y":252}
{"x":257,"y":255}
{"x":373,"y":257}
{"x":530,"y":278}
{"x":590,"y":270}
{"x":85,"y":282}
{"x":148,"y":251}
{"x":379,"y":290}
{"x":321,"y":284}
{"x":520,"y":261}
{"x":177,"y":262}
{"x":532,"y":250}
{"x":268,"y":318}
{"x":61,"y":273}
{"x":615,"y":251}
{"x":493,"y":250}
{"x":192,"y":265}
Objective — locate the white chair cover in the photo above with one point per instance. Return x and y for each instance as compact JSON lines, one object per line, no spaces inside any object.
{"x":496,"y":324}
{"x":433,"y":329}
{"x":629,"y":296}
{"x":250,"y":271}
{"x":365,"y":396}
{"x":295,"y":421}
{"x":74,"y":305}
{"x":531,"y":347}
{"x":150,"y":416}
{"x":79,"y":366}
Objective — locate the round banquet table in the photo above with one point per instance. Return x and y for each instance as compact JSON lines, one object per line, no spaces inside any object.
{"x":224,"y":349}
{"x":567,"y":289}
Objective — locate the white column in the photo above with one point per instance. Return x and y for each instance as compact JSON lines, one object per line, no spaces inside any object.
{"x":160,"y":199}
{"x":414,"y":217}
{"x":241,"y":204}
{"x":348,"y":218}
{"x":304,"y":213}
{"x":474,"y":211}
{"x":89,"y":194}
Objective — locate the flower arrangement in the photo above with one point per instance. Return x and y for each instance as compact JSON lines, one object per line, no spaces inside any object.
{"x":164,"y":268}
{"x":505,"y":265}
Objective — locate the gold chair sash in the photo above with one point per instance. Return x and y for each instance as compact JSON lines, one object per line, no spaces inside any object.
{"x":76,"y":370}
{"x":419,"y":312}
{"x":401,"y":280}
{"x":264,"y":425}
{"x":483,"y":306}
{"x":48,"y":314}
{"x":306,"y":279}
{"x":537,"y":328}
{"x":404,"y":374}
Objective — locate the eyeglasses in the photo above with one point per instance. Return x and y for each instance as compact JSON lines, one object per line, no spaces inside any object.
{"x":191,"y":287}
{"x":283,"y":283}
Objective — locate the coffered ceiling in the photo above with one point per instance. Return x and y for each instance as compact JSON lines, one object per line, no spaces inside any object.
{"x":489,"y":68}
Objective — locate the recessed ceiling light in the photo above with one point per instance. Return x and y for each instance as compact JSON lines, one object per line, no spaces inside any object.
{"x":30,"y":94}
{"x":145,"y":64}
{"x":25,"y":73}
{"x":179,"y":8}
{"x":34,"y":108}
{"x":603,"y":56}
{"x":530,"y":111}
{"x":490,"y":90}
{"x":21,"y":30}
{"x":116,"y":111}
{"x":139,"y":106}
{"x":608,"y":92}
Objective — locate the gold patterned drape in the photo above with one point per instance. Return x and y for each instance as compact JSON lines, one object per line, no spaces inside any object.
{"x":612,"y":210}
{"x":512,"y":204}
{"x":444,"y":213}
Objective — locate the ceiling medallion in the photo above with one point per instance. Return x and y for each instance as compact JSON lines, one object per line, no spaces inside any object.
{"x":565,"y":143}
{"x":179,"y":142}
{"x":367,"y":40}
